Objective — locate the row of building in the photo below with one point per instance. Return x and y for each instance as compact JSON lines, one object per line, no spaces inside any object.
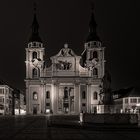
{"x":12,"y":100}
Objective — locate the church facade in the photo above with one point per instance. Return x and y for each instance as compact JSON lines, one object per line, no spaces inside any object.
{"x":72,"y":83}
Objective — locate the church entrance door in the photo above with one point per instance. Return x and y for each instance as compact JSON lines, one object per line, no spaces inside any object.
{"x":34,"y":110}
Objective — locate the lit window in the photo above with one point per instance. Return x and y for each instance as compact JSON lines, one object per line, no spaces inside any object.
{"x":83,"y":95}
{"x":95,"y":95}
{"x":35,"y":96}
{"x":47,"y":94}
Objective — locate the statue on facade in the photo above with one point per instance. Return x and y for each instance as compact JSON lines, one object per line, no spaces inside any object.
{"x":63,"y":65}
{"x":105,"y":92}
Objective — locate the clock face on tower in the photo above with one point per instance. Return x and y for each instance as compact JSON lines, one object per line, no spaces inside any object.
{"x":94,"y":61}
{"x":36,"y":62}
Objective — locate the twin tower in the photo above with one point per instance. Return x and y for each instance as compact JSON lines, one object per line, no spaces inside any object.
{"x":72,"y":83}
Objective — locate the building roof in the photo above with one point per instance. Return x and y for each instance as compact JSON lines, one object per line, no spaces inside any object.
{"x":92,"y":36}
{"x":35,"y":27}
{"x":127,"y":92}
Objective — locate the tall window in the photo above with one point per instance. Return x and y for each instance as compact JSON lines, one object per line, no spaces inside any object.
{"x":66,"y":93}
{"x":95,"y":55}
{"x":83,"y":95}
{"x":1,"y":91}
{"x":47,"y":94}
{"x":34,"y":55}
{"x":95,"y":95}
{"x":95,"y":72}
{"x":35,"y":96}
{"x":34,"y":73}
{"x":126,"y":101}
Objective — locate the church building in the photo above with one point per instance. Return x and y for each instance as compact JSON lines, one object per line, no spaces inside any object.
{"x":72,"y":83}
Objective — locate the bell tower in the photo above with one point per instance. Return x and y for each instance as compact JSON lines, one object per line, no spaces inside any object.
{"x":94,"y":52}
{"x":34,"y":52}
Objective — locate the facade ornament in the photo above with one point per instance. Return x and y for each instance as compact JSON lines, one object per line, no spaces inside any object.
{"x":63,"y":65}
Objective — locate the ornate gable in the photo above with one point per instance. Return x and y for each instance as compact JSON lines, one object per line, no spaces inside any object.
{"x":66,"y":62}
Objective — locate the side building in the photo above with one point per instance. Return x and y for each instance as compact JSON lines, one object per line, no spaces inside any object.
{"x":127,"y":100}
{"x":19,"y":107}
{"x":12,"y":100}
{"x":6,"y":102}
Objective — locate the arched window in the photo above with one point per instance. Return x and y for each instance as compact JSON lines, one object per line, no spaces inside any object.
{"x":95,"y":95}
{"x":95,"y":72}
{"x":48,"y":94}
{"x":83,"y":95}
{"x":34,"y":55}
{"x":95,"y":54}
{"x":35,"y":96}
{"x":91,"y":55}
{"x":35,"y":73}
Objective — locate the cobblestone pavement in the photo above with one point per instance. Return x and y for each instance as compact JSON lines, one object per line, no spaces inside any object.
{"x":40,"y":128}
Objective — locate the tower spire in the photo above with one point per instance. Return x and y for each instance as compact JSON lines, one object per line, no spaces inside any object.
{"x":92,"y":36}
{"x":35,"y":27}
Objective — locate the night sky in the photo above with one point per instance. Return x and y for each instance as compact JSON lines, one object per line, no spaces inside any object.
{"x":66,"y":21}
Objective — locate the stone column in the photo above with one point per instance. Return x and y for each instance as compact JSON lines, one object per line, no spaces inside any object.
{"x":76,"y":99}
{"x":89,"y":98}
